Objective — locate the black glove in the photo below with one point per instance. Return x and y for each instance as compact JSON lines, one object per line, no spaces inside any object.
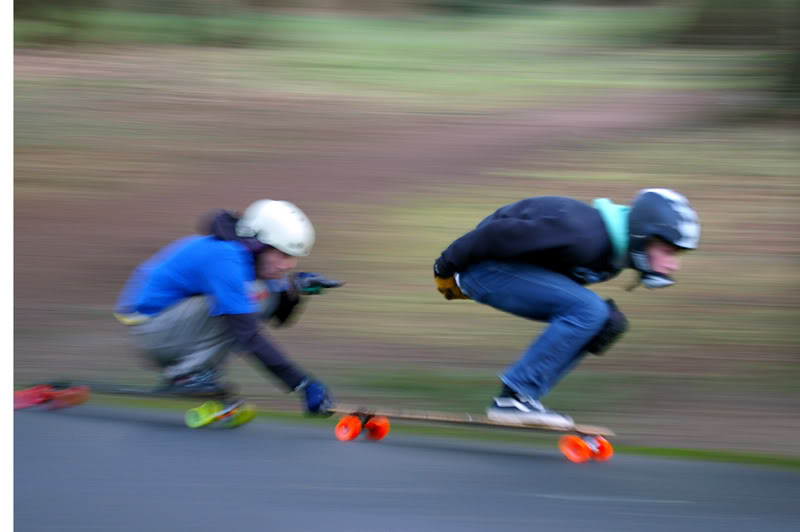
{"x":442,"y":269}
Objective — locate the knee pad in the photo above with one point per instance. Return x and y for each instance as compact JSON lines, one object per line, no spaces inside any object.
{"x":614,"y":327}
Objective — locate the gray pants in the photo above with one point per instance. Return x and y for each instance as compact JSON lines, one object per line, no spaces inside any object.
{"x":186,"y":338}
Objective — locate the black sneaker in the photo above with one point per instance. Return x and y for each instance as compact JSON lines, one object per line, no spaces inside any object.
{"x":196,"y":384}
{"x":511,"y":407}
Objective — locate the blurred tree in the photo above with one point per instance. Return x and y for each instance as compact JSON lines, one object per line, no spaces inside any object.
{"x":476,"y":7}
{"x":771,"y":24}
{"x":203,"y":22}
{"x":733,"y":22}
{"x":790,"y":86}
{"x":64,"y":14}
{"x":44,"y":9}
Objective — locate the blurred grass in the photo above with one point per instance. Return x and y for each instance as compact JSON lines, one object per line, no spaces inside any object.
{"x":748,"y":252}
{"x":478,"y":62}
{"x":134,"y":108}
{"x":423,"y":65}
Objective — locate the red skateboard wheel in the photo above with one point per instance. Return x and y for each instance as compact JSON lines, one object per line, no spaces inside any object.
{"x":348,"y":428}
{"x":604,"y":450}
{"x":31,"y":396}
{"x":377,"y":428}
{"x":575,"y":449}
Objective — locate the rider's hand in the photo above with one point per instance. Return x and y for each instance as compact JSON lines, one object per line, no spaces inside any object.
{"x":445,"y":282}
{"x":449,"y":288}
{"x":307,"y":283}
{"x":317,"y":400}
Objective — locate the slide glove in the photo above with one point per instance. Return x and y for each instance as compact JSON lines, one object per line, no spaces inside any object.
{"x":449,"y":288}
{"x":308,"y":283}
{"x":445,"y":282}
{"x":317,"y":400}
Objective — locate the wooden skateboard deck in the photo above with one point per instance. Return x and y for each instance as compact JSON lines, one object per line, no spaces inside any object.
{"x":462,"y":419}
{"x":581,"y":443}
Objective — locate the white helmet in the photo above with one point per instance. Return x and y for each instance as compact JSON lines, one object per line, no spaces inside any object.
{"x":279,"y":224}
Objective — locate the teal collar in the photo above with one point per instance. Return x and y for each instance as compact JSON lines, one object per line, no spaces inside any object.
{"x":616,"y":219}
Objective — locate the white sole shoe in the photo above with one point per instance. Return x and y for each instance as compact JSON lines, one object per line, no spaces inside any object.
{"x":530,"y":418}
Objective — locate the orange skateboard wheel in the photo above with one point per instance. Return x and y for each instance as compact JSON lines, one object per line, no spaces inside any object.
{"x":348,"y":428}
{"x":377,"y":428}
{"x":70,"y":397}
{"x":32,"y":396}
{"x":604,"y":450}
{"x":575,"y":449}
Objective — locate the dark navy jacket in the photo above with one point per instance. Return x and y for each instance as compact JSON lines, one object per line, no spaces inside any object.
{"x":561,"y":234}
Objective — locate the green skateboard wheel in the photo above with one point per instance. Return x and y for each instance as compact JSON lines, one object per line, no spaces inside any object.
{"x":203,"y":415}
{"x":243,"y":414}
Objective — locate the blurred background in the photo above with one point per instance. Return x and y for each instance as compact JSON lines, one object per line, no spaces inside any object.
{"x":397,"y":125}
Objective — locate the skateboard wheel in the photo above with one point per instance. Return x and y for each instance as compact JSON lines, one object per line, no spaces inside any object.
{"x":604,"y":450}
{"x":575,"y":449}
{"x":202,"y":415}
{"x":348,"y":428}
{"x":377,"y":428}
{"x":240,"y":416}
{"x":70,"y":397}
{"x":54,"y":398}
{"x":31,"y":396}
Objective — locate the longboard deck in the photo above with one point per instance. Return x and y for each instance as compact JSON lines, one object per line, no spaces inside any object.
{"x":463,"y":419}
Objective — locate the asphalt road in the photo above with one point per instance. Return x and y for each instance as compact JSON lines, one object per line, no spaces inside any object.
{"x":108,"y":469}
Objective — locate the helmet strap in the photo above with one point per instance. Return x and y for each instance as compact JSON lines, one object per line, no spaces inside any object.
{"x":656,"y":280}
{"x":651,"y":280}
{"x":647,"y":276}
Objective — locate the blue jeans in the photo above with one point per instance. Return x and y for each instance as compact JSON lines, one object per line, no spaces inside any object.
{"x":575,"y":314}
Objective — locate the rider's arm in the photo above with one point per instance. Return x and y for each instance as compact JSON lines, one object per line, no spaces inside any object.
{"x":245,"y":330}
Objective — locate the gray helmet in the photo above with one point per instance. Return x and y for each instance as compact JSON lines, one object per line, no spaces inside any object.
{"x":664,"y":214}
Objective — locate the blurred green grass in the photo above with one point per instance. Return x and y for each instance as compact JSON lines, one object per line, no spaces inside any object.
{"x":448,"y":62}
